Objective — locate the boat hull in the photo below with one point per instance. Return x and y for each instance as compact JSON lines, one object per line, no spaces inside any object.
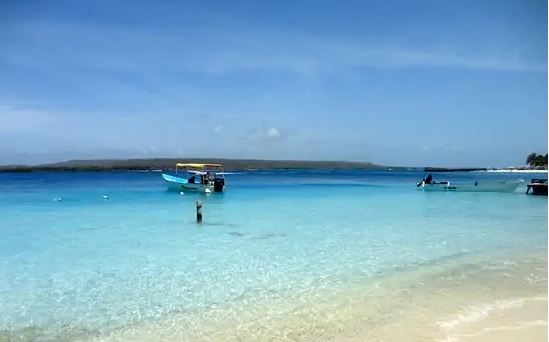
{"x":505,"y":186}
{"x":538,"y":189}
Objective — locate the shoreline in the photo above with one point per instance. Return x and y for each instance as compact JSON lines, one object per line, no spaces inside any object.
{"x":463,"y":299}
{"x":400,"y":265}
{"x":516,"y":171}
{"x":469,"y":297}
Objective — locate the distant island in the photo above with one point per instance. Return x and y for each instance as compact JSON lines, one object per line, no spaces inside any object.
{"x":169,"y":164}
{"x":535,"y":163}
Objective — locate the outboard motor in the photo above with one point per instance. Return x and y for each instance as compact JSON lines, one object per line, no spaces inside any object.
{"x":219,"y":184}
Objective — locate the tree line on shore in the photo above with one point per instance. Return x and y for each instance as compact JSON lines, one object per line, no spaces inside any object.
{"x":534,"y":159}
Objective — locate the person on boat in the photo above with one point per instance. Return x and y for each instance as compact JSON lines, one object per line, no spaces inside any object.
{"x":209,"y":177}
{"x":426,"y":180}
{"x":192,"y":180}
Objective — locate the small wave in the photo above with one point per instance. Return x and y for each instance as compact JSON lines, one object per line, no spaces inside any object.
{"x":536,"y":323}
{"x":479,"y":312}
{"x":504,"y":328}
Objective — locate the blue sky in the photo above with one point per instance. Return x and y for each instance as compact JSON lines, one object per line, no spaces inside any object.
{"x":446,"y":83}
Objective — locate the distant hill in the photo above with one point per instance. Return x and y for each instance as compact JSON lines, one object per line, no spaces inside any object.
{"x":169,"y":164}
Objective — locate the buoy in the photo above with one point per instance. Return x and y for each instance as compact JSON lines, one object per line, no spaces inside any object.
{"x":198,"y":211}
{"x":181,"y":193}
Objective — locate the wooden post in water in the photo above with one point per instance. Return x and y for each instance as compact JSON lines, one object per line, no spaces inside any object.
{"x":198,"y":211}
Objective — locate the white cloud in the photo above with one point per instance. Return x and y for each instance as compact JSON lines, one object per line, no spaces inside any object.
{"x":273,"y":132}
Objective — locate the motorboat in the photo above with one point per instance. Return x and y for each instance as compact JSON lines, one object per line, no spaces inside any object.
{"x":195,"y":177}
{"x":472,"y":186}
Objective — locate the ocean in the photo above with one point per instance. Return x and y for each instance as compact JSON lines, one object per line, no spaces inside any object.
{"x":281,"y":255}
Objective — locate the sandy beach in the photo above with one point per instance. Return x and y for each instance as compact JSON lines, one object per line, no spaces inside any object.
{"x":516,"y":171}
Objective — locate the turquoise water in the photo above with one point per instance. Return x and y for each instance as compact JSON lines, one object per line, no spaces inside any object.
{"x":98,"y":264}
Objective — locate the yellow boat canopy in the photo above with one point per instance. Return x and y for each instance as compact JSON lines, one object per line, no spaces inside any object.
{"x":197,"y":166}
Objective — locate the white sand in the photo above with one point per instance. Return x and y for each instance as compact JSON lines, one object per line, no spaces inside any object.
{"x":516,"y":171}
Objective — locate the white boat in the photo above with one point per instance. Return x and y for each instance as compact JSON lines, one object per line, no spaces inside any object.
{"x":196,"y":178}
{"x":476,"y":186}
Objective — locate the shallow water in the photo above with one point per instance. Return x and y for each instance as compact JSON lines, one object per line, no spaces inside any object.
{"x":85,"y":266}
